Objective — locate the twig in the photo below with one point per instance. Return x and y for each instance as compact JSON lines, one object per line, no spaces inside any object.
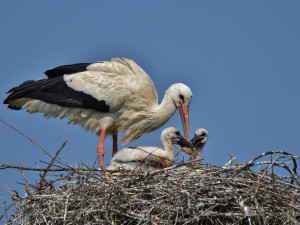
{"x":272,"y":152}
{"x":4,"y":166}
{"x":27,"y":184}
{"x":282,"y":165}
{"x":208,"y":195}
{"x":34,"y":142}
{"x":66,"y":207}
{"x":276,"y":180}
{"x":173,"y":167}
{"x":5,"y":210}
{"x":50,"y":164}
{"x":226,"y":165}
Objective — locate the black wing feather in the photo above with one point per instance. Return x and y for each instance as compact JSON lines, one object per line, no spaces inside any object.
{"x":67,"y":69}
{"x":56,"y":91}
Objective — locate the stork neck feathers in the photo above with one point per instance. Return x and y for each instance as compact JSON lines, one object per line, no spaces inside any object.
{"x":169,"y":148}
{"x":199,"y":150}
{"x":153,"y":116}
{"x":165,"y":110}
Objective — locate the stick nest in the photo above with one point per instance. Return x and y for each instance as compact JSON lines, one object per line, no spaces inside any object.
{"x":205,"y":195}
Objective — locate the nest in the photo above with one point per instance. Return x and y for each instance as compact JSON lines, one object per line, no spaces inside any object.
{"x":232,"y":194}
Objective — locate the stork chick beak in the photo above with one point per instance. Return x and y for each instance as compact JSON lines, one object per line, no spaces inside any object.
{"x":184,"y":143}
{"x":197,"y":140}
{"x":187,"y":150}
{"x":186,"y":146}
{"x":184,"y":114}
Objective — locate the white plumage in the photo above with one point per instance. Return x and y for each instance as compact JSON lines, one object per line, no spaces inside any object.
{"x":105,"y":97}
{"x":149,"y":158}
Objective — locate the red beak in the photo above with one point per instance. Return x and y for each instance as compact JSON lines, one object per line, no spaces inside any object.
{"x":184,"y":114}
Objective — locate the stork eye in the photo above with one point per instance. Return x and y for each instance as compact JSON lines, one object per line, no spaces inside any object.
{"x":181,"y":97}
{"x":177,"y":133}
{"x":203,"y":134}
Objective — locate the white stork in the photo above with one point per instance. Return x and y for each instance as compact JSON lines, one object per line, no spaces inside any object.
{"x":148,"y":158}
{"x":198,"y":141}
{"x":105,"y":97}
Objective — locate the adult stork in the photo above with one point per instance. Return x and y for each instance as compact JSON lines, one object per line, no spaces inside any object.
{"x":105,"y":97}
{"x":148,"y":158}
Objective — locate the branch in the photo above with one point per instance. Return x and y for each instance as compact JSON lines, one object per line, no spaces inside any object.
{"x":51,"y":163}
{"x":4,"y":166}
{"x":27,"y":137}
{"x":250,"y":163}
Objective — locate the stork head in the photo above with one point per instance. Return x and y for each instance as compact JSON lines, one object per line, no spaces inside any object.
{"x":182,"y":97}
{"x":200,"y":138}
{"x":171,"y":134}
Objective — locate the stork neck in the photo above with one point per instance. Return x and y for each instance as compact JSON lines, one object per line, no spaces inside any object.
{"x":199,"y":150}
{"x":169,"y":149}
{"x":165,"y":110}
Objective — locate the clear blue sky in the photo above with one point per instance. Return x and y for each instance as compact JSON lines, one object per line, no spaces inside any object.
{"x":240,"y":58}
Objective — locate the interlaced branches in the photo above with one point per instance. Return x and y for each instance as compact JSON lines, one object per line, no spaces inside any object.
{"x":250,"y":193}
{"x":208,"y":195}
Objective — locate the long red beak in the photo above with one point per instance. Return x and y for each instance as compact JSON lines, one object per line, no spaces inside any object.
{"x":184,"y":114}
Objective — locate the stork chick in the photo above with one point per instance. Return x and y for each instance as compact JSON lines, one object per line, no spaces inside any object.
{"x":198,"y":141}
{"x":148,"y":158}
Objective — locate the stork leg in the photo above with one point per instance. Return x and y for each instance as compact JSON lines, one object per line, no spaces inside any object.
{"x":115,"y":144}
{"x":100,"y":148}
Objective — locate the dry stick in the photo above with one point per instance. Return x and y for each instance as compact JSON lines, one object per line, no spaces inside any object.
{"x":270,"y":166}
{"x":282,"y":165}
{"x":226,"y":165}
{"x":4,"y":166}
{"x":50,"y":164}
{"x":293,"y":175}
{"x":34,"y":142}
{"x":279,"y":181}
{"x":161,"y":189}
{"x":27,"y":184}
{"x":27,"y":138}
{"x":47,"y":163}
{"x":173,"y":167}
{"x":5,"y":210}
{"x":66,"y":207}
{"x":59,"y":168}
{"x":273,"y":152}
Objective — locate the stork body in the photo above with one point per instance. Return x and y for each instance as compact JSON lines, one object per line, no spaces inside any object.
{"x":148,"y":158}
{"x":104,"y":97}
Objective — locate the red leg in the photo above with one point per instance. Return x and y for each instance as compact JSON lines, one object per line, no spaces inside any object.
{"x":100,"y":148}
{"x":115,"y":144}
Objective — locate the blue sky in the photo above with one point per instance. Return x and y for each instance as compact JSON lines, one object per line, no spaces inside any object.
{"x":240,"y":59}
